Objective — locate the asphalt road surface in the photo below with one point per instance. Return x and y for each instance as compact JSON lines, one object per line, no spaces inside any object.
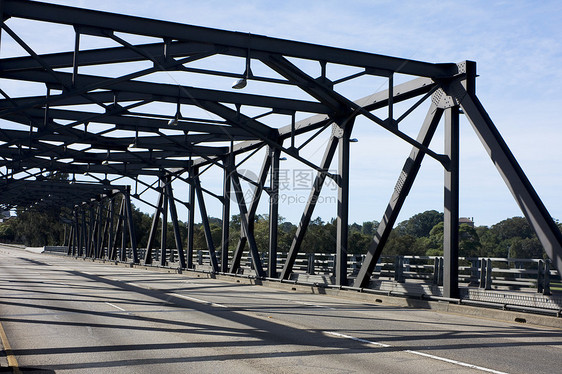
{"x":72,"y":316}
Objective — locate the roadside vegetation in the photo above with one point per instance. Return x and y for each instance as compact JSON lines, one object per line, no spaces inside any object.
{"x":421,"y":234}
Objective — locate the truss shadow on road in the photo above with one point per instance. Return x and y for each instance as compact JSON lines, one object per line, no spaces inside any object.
{"x":246,"y":336}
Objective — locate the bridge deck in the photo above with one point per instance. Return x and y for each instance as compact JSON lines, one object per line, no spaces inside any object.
{"x":67,"y":316}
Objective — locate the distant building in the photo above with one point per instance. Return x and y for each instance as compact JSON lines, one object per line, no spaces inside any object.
{"x":467,"y":220}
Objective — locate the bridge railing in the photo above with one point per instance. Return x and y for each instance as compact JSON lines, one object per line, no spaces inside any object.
{"x":483,"y":272}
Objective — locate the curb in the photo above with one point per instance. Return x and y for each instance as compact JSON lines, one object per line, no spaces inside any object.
{"x":359,"y":295}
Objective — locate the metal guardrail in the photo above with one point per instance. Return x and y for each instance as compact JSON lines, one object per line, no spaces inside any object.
{"x":521,"y":274}
{"x":484,"y":272}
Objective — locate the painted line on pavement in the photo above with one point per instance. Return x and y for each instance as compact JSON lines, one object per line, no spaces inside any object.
{"x":182,"y":296}
{"x":116,"y":307}
{"x":12,"y":361}
{"x":427,"y":355}
{"x":197,"y":300}
{"x":455,"y":362}
{"x":312,"y":305}
{"x":356,"y":339}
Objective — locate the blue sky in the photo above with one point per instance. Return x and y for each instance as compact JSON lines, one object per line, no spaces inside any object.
{"x":516,"y":44}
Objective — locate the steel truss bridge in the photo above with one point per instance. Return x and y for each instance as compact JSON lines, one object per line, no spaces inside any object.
{"x":107,"y":113}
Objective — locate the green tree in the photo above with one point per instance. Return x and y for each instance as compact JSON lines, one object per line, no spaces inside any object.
{"x":358,"y":242}
{"x":513,"y":237}
{"x":199,"y":238}
{"x":320,"y":237}
{"x":420,"y":224}
{"x":39,"y":228}
{"x":469,"y":241}
{"x":435,"y":240}
{"x":7,"y":233}
{"x":369,"y":227}
{"x":526,"y":248}
{"x":142,"y":223}
{"x":399,"y":244}
{"x":285,"y":235}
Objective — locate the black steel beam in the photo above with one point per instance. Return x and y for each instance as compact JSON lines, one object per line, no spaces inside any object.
{"x":401,"y":190}
{"x":164,"y":224}
{"x":205,"y":223}
{"x":153,"y":228}
{"x":175,"y":223}
{"x":517,"y":182}
{"x":274,"y":154}
{"x":451,"y":206}
{"x":137,"y":91}
{"x":378,"y":100}
{"x":309,"y":208}
{"x":228,"y":167}
{"x":235,"y":40}
{"x":246,"y":228}
{"x":191,"y":215}
{"x":342,"y":220}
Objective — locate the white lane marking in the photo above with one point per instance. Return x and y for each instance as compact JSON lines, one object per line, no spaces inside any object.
{"x":455,"y":362}
{"x":198,"y":300}
{"x":312,"y":305}
{"x":134,"y":284}
{"x":183,"y":296}
{"x":356,"y":339}
{"x":115,"y":306}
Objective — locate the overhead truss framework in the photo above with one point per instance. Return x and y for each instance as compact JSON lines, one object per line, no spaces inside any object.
{"x":107,"y":112}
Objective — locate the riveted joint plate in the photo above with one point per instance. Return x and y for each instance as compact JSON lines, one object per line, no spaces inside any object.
{"x":461,"y":66}
{"x":337,"y":132}
{"x":442,"y":100}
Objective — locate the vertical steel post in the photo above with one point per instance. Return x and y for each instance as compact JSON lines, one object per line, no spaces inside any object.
{"x":228,"y":162}
{"x":436,"y":270}
{"x":1,"y":20}
{"x":131,"y":225}
{"x":175,"y":223}
{"x":118,"y":227}
{"x":104,"y":233}
{"x":482,"y":283}
{"x":274,"y":153}
{"x":440,"y":277}
{"x":70,"y":241}
{"x":99,"y":220}
{"x":153,"y":228}
{"x":546,"y":278}
{"x":164,"y":230}
{"x":78,"y":233}
{"x":399,"y":269}
{"x":540,"y":274}
{"x":451,"y":216}
{"x":343,"y":207}
{"x":489,"y":269}
{"x":91,"y":236}
{"x":206,"y":226}
{"x":191,"y":218}
{"x":123,"y":255}
{"x":111,"y":228}
{"x":84,"y":247}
